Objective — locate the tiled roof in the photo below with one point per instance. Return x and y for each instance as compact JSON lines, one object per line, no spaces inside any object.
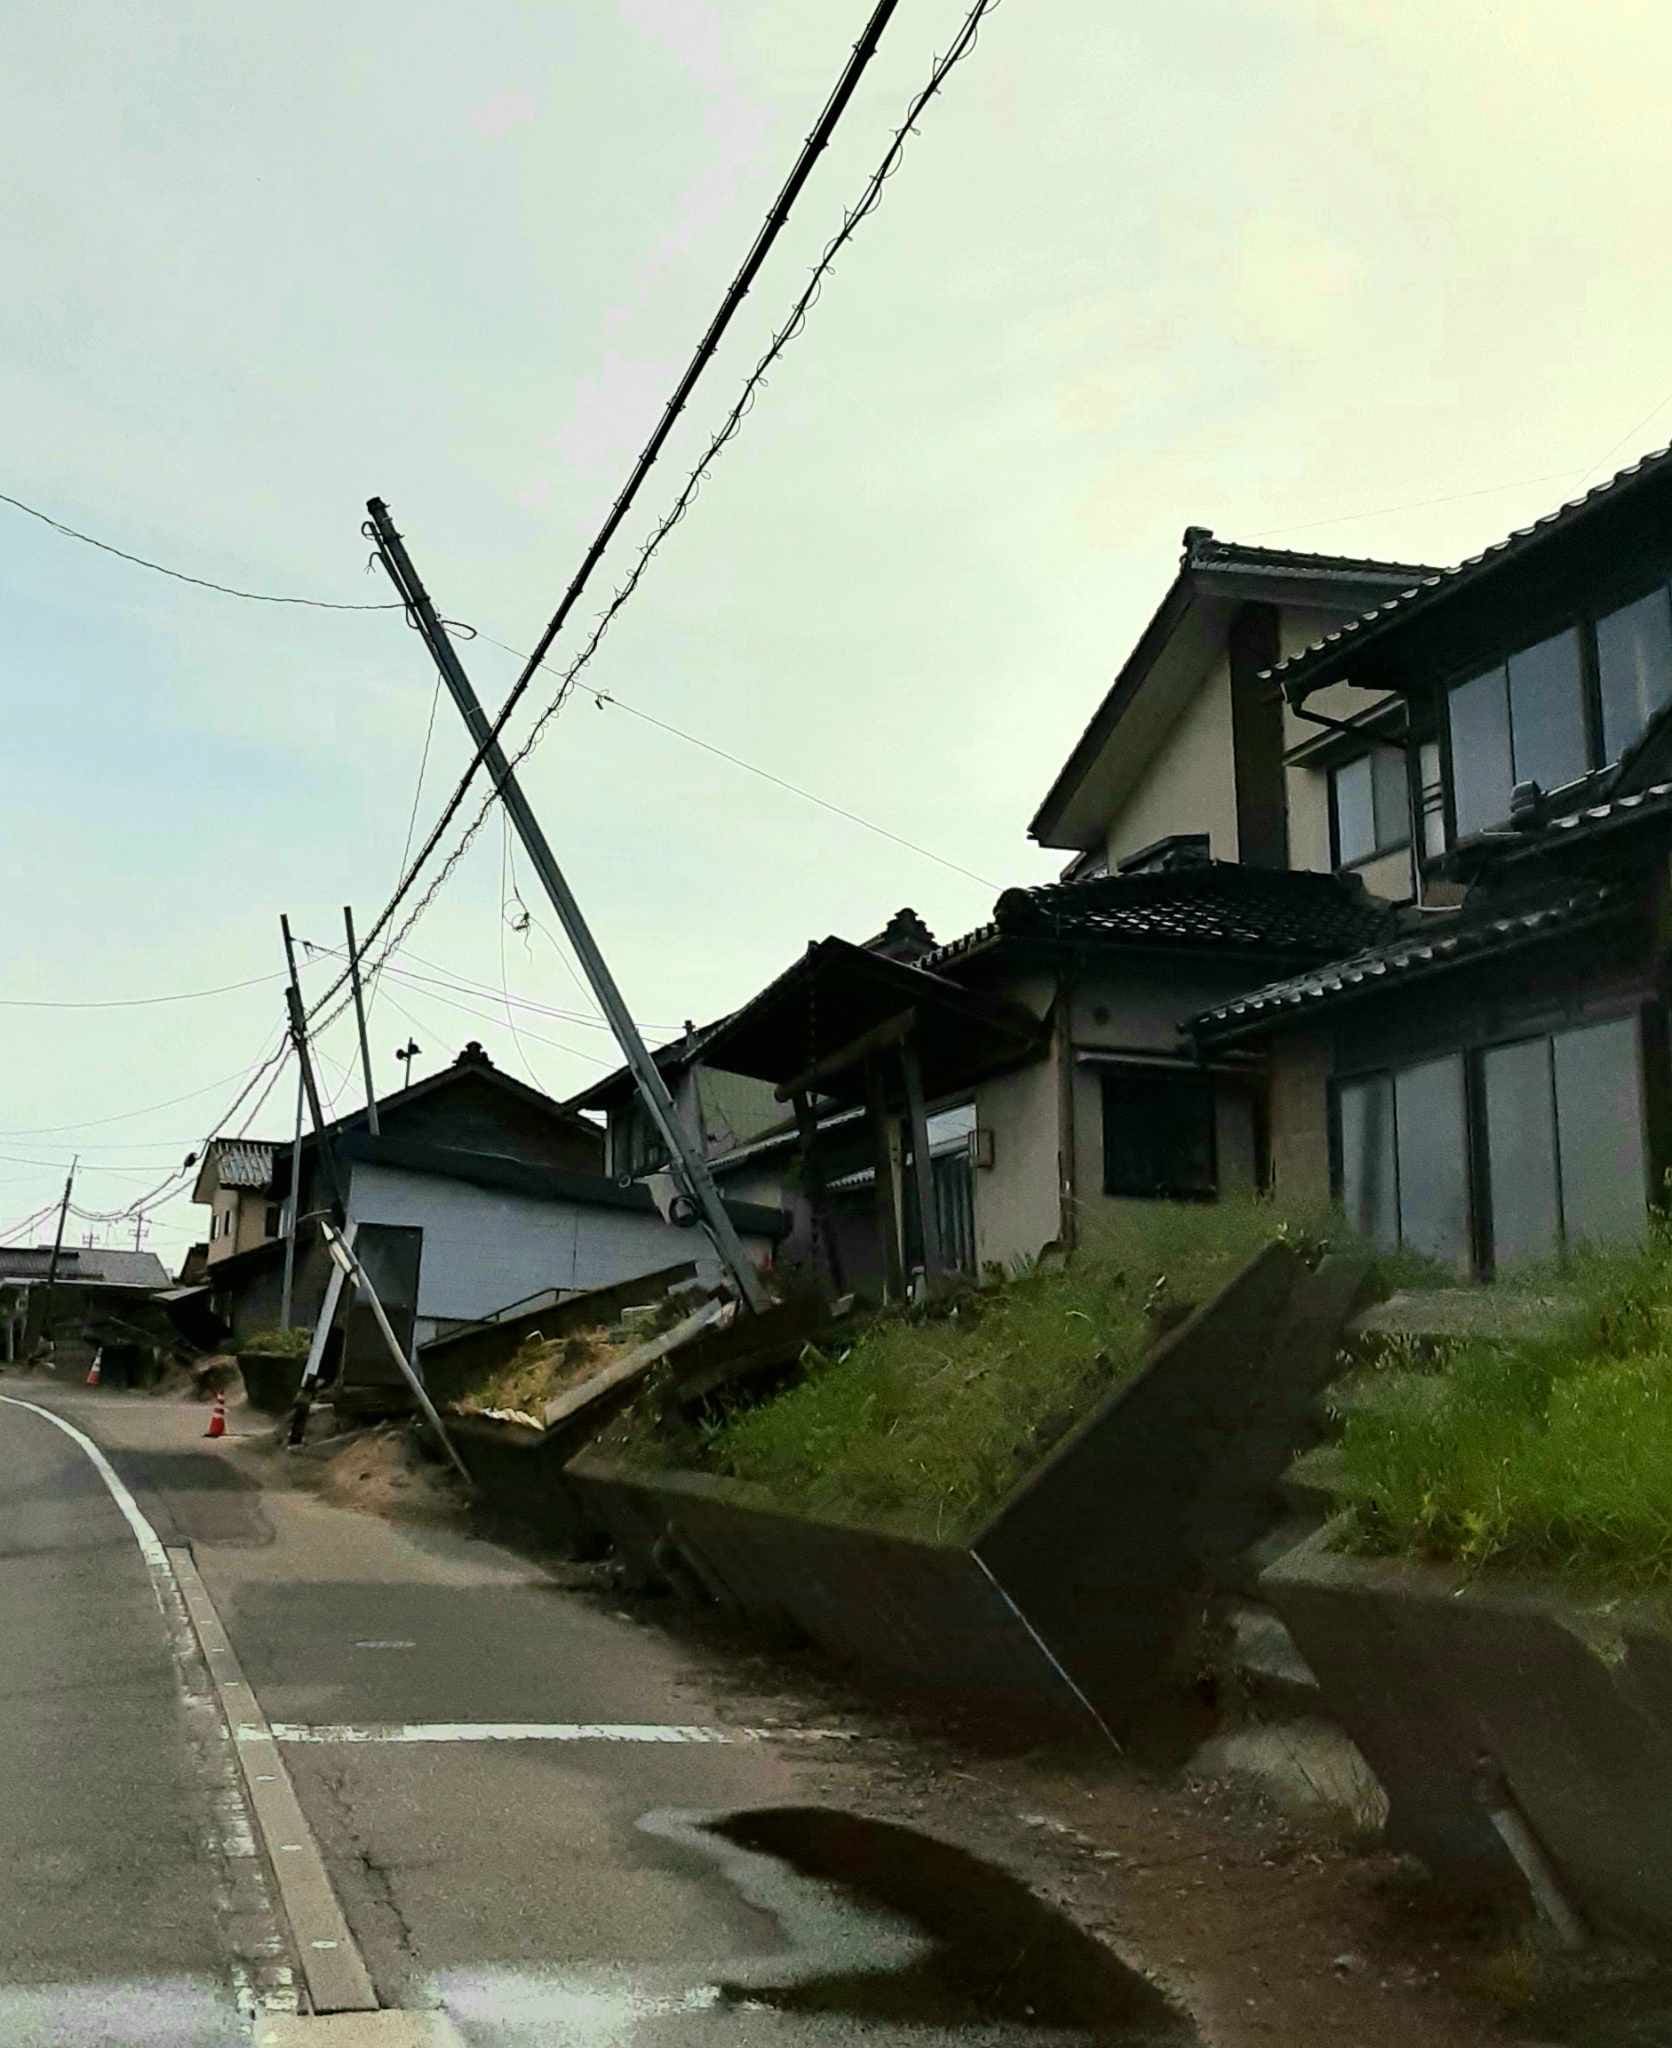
{"x":243,"y":1163}
{"x":1203,"y":549}
{"x":81,"y":1263}
{"x":1619,"y":810}
{"x":1223,"y":570}
{"x":1296,"y":669}
{"x":1212,"y":903}
{"x":1460,"y":935}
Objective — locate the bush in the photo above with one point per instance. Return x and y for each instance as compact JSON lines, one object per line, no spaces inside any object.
{"x":1553,"y":1452}
{"x":292,"y":1343}
{"x":924,"y":1422}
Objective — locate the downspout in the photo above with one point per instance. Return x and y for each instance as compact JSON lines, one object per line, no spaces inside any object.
{"x":1067,"y":1174}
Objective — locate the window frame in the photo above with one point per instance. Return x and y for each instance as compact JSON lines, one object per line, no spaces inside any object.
{"x":1121,"y":1073}
{"x":1653,"y":1046}
{"x":1583,"y":622}
{"x":1379,"y":850}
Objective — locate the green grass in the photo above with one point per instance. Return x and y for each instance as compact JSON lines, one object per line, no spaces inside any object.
{"x":1551,"y":1452}
{"x":291,"y":1343}
{"x":925,"y":1422}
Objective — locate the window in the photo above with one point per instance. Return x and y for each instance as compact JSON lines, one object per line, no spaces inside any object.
{"x":1634,"y":668}
{"x":1560,"y":1127}
{"x":1564,"y":1137}
{"x":638,"y":1149}
{"x":1551,"y":714}
{"x":1158,"y":1137}
{"x":1370,"y":806}
{"x":1522,"y":722}
{"x":275,"y":1222}
{"x":1404,"y":1180}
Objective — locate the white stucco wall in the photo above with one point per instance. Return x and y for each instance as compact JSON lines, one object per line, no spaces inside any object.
{"x":484,"y":1248}
{"x":1190,"y":785}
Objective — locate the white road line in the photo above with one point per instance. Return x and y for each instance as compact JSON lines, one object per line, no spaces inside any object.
{"x":336,"y":1980}
{"x":533,"y":1731}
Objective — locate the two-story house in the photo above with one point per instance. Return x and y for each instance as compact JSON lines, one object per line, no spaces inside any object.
{"x":1194,"y":737}
{"x":235,"y":1183}
{"x":1489,"y":1083}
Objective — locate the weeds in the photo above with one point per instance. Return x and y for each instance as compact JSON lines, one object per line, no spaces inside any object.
{"x":1551,"y":1451}
{"x":924,"y":1423}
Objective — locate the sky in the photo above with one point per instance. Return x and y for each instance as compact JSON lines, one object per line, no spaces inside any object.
{"x":1380,"y":280}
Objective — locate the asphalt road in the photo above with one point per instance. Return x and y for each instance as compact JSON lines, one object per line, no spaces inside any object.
{"x":108,"y":1918}
{"x":696,"y":1888}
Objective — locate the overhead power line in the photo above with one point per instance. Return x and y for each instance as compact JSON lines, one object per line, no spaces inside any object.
{"x":823,"y":129}
{"x":867,"y":203}
{"x":185,"y":995}
{"x":318,"y":604}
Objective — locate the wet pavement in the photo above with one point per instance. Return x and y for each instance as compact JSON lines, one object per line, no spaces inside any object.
{"x":641,"y":1872}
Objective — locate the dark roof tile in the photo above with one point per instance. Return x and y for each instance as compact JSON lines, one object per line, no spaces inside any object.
{"x":1218,"y":904}
{"x":1295,"y":670}
{"x":1445,"y":939}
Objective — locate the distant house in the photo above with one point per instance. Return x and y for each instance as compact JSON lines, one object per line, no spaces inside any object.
{"x":235,"y":1182}
{"x":503,"y":1183}
{"x":90,"y":1288}
{"x":1488,"y":1082}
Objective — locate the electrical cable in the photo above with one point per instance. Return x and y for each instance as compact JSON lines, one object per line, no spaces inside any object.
{"x":185,"y":995}
{"x":317,"y":604}
{"x":504,"y":924}
{"x":602,"y":697}
{"x":869,"y":199}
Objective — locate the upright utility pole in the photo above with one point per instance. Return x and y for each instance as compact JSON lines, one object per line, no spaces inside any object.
{"x":57,"y":1249}
{"x":287,"y":1289}
{"x":690,"y":1169}
{"x":360,"y":1019}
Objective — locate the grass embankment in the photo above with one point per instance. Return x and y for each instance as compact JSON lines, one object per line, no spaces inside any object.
{"x":1550,"y":1452}
{"x":924,"y":1422}
{"x":277,"y":1343}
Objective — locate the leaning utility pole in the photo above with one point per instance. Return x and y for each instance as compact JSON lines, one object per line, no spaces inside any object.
{"x":360,"y":1019}
{"x":57,"y":1249}
{"x":689,"y":1168}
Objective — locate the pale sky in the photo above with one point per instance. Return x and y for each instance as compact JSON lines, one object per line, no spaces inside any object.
{"x":1368,"y":278}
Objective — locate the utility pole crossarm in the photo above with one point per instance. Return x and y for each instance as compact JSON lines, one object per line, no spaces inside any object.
{"x":689,"y":1166}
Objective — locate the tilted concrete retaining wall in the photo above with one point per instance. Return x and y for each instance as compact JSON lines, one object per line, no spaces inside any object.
{"x":1079,"y":1591}
{"x":924,"y":1614}
{"x":1113,"y":1544}
{"x":1431,"y":1671}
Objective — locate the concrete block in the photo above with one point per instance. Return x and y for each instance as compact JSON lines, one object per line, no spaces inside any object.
{"x":357,"y":2030}
{"x":1431,"y":1670}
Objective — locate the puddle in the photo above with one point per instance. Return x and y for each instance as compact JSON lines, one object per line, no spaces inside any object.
{"x":889,"y":1927}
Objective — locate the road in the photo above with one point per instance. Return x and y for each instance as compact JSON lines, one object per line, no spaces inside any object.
{"x":634,"y":1869}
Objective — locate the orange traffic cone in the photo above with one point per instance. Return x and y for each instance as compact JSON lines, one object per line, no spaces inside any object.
{"x":217,"y":1420}
{"x":93,"y":1375}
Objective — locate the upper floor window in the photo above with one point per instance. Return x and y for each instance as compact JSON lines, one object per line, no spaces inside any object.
{"x":1370,"y":806}
{"x":1558,"y":709}
{"x":1634,"y":668}
{"x":1523,"y":721}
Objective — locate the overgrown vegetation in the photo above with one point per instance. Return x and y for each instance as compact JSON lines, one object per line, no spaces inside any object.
{"x":1552,"y":1452}
{"x":924,"y":1422}
{"x":277,"y":1343}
